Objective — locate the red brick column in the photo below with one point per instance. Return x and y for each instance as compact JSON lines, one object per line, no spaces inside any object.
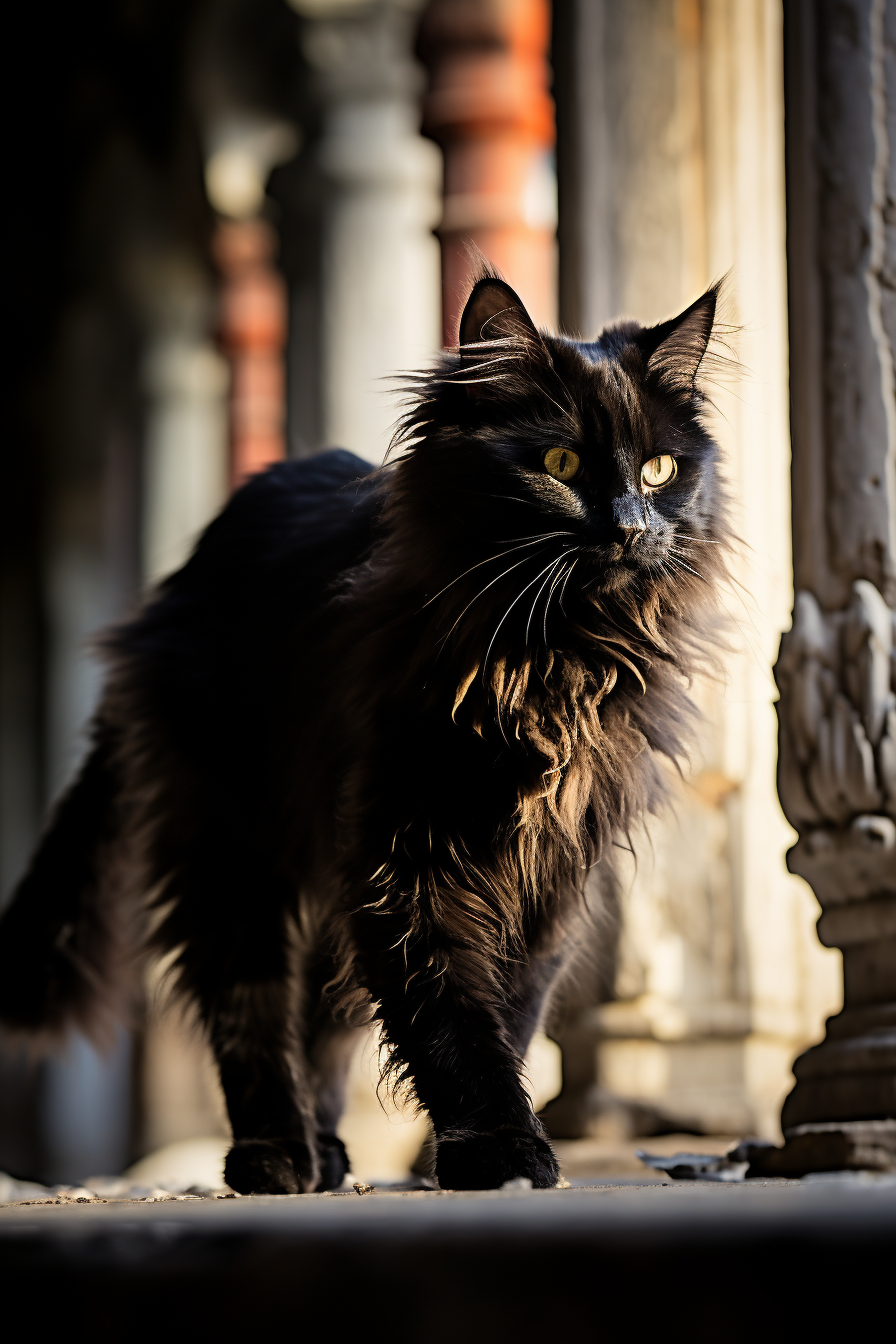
{"x":489,"y":108}
{"x":252,"y":332}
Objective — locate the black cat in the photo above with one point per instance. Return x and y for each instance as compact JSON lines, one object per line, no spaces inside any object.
{"x":364,"y":747}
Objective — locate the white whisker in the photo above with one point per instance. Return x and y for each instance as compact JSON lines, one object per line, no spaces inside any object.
{"x":558,"y":561}
{"x":511,"y":499}
{"x":556,"y":579}
{"x":533,"y":541}
{"x":677,"y":561}
{"x":565,"y":582}
{"x":516,"y":565}
{"x":507,"y":613}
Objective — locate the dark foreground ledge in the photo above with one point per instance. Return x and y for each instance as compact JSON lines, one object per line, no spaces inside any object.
{"x":732,"y":1262}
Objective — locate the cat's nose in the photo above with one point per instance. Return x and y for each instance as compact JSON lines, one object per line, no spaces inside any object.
{"x":628,"y":533}
{"x":628,"y":519}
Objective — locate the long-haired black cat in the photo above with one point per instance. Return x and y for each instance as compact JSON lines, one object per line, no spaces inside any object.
{"x":365,"y":746}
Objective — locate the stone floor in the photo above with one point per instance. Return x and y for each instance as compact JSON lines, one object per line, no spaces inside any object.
{"x":197,"y":1165}
{"x":737,"y":1260}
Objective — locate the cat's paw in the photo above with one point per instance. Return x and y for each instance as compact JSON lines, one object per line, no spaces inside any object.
{"x":468,"y":1161}
{"x":333,"y":1162}
{"x":271,"y":1167}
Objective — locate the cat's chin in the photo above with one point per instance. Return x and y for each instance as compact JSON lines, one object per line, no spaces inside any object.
{"x":613,"y":578}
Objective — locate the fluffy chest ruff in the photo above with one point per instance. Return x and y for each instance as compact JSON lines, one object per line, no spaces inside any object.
{"x":487,"y":794}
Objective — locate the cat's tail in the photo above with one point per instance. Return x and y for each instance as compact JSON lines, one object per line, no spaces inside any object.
{"x":62,"y":935}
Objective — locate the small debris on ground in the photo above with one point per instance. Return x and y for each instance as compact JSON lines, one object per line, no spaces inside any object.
{"x":697,"y":1166}
{"x":99,"y":1190}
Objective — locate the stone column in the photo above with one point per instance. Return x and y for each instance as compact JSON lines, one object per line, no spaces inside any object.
{"x":185,"y":383}
{"x":377,"y":186}
{"x":489,"y":108}
{"x":837,"y":711}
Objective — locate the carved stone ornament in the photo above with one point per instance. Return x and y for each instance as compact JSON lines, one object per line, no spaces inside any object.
{"x":837,"y":784}
{"x":837,"y":719}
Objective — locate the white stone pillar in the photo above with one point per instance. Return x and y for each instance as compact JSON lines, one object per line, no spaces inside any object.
{"x":380,"y":304}
{"x":185,"y":469}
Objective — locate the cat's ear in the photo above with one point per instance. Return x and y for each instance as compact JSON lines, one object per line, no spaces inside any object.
{"x":676,"y":348}
{"x":493,"y":312}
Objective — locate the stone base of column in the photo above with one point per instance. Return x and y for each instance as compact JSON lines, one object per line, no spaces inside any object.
{"x":851,"y":1145}
{"x":841,"y":1114}
{"x":851,"y":1074}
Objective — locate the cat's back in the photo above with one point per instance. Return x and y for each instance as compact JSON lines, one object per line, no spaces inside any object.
{"x":292,"y":529}
{"x":248,"y":604}
{"x":315,"y":512}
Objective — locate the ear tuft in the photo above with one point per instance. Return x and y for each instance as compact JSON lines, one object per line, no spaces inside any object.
{"x":675,"y":349}
{"x":493,"y":312}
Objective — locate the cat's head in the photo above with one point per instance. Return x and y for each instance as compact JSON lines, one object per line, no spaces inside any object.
{"x":584,"y":467}
{"x":602,"y":441}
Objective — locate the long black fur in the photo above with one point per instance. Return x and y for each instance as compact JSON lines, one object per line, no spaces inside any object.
{"x":362,"y":750}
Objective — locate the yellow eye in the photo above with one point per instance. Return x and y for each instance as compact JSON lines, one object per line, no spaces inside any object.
{"x":561,"y":463}
{"x":658,"y":471}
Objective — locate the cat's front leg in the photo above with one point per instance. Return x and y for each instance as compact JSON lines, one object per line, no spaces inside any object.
{"x":447,"y":1003}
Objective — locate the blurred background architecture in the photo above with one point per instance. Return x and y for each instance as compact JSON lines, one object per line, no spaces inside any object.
{"x":234,"y":220}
